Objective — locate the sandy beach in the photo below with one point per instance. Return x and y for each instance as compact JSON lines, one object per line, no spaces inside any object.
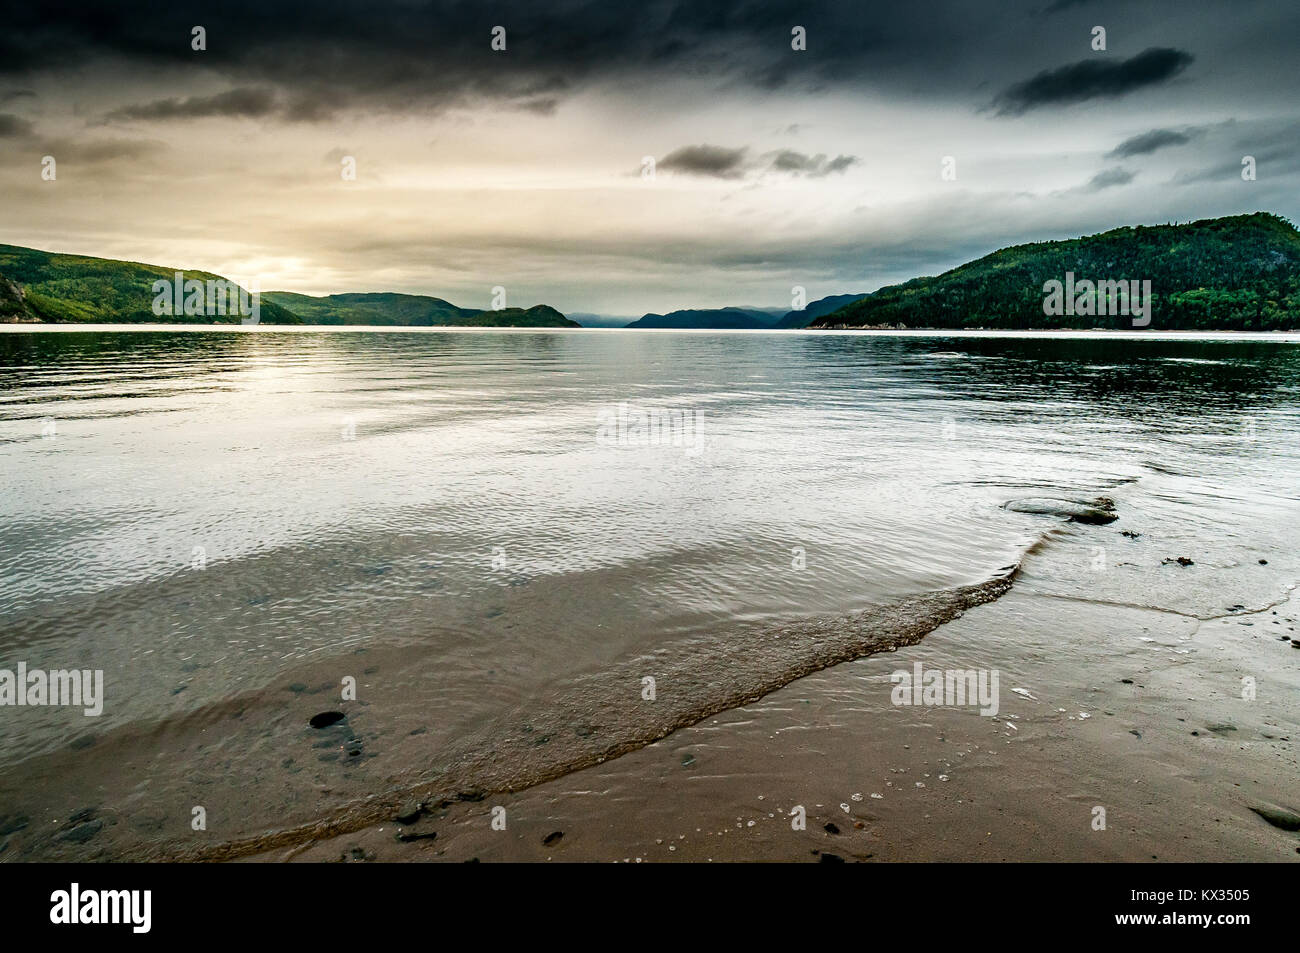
{"x":1103,"y":705}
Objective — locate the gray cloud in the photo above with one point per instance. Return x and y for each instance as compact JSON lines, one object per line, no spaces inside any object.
{"x":814,"y":167}
{"x":235,"y":103}
{"x":720,"y":162}
{"x":1092,"y":79}
{"x":1109,"y":179}
{"x":714,"y":161}
{"x":1149,"y":142}
{"x":14,"y":127}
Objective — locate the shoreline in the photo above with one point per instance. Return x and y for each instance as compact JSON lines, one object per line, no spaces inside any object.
{"x":1104,"y":703}
{"x":1288,"y":337}
{"x":1126,"y":708}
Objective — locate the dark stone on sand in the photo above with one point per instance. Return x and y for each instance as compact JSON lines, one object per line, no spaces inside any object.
{"x":688,"y":760}
{"x":82,"y":832}
{"x":1279,"y":817}
{"x":10,"y":824}
{"x":1181,"y":560}
{"x":410,"y":812}
{"x":830,"y":859}
{"x":830,"y":828}
{"x":1126,"y":681}
{"x":1097,"y":513}
{"x":1220,"y":729}
{"x":472,"y":796}
{"x":327,"y":718}
{"x":1263,"y":562}
{"x":1130,"y":534}
{"x":408,"y":836}
{"x":297,"y":688}
{"x":552,"y":838}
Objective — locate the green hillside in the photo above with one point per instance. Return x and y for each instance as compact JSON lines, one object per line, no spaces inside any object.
{"x":75,"y":288}
{"x":1236,"y":273}
{"x":538,"y":316}
{"x":39,"y":286}
{"x":379,"y":308}
{"x":384,"y":308}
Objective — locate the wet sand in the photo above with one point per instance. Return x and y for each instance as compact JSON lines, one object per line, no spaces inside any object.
{"x":1121,"y":687}
{"x":1135,"y":710}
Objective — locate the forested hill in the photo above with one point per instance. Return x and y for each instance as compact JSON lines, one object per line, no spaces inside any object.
{"x":1238,"y":273}
{"x":40,"y":286}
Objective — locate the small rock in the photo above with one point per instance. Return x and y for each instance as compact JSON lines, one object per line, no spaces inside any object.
{"x":326,"y":718}
{"x":82,"y":832}
{"x":831,"y":829}
{"x":1278,"y":817}
{"x":410,"y":812}
{"x":552,"y":838}
{"x":411,"y":834}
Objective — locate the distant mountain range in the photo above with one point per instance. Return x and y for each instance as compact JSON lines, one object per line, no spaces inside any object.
{"x":39,"y":286}
{"x":723,"y":319}
{"x":815,"y":309}
{"x":1240,"y":272}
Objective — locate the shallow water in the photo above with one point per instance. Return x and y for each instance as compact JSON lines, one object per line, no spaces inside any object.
{"x":225,"y":521}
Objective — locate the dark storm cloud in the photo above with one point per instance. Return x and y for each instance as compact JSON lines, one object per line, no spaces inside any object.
{"x":705,"y":160}
{"x":236,"y":103}
{"x":13,"y":127}
{"x":338,"y":55}
{"x":339,"y":51}
{"x":1092,"y":79}
{"x":1149,"y":142}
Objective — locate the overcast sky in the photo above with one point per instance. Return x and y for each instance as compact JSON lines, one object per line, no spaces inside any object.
{"x":774,"y":167}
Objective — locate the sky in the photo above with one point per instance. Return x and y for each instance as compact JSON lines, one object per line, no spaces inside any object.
{"x":620,"y":158}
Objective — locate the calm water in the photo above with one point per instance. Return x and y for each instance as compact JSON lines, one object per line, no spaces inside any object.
{"x":203,"y":514}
